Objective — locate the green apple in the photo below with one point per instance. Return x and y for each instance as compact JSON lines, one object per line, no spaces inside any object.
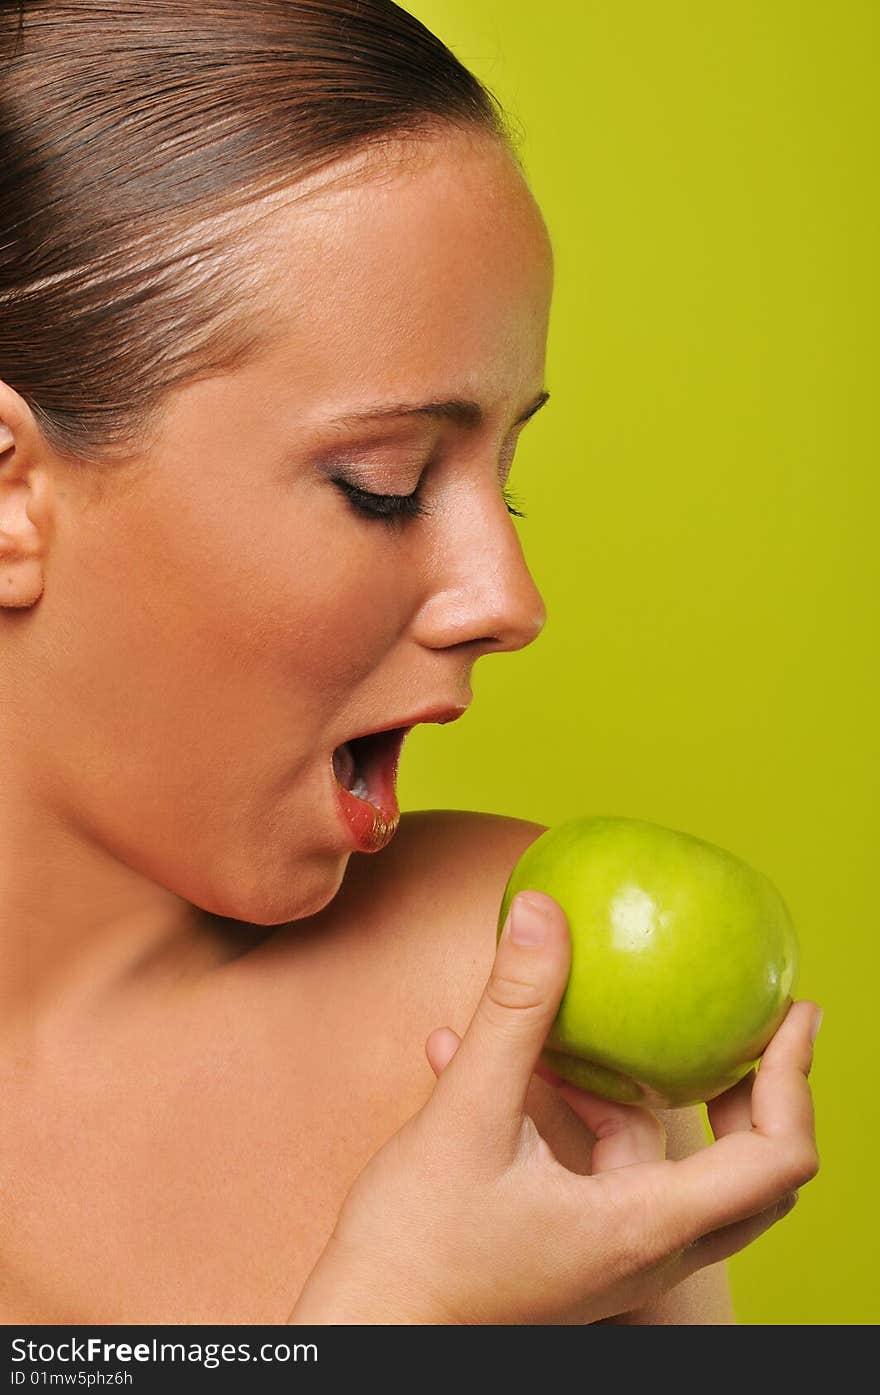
{"x":683,"y":959}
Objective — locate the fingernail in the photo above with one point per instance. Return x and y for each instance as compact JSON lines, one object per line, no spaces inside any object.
{"x":817,"y":1023}
{"x":528,"y":925}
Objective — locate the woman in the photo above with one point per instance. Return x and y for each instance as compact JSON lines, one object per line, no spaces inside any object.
{"x":274,"y":299}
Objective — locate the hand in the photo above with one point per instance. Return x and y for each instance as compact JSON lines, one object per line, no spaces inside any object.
{"x":465,"y":1215}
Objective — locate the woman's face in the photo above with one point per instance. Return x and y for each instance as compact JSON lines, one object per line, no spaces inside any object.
{"x":215,"y":626}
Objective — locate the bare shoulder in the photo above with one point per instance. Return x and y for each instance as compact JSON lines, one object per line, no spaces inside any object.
{"x":410,"y":935}
{"x":482,"y":847}
{"x":447,"y":870}
{"x":476,"y":842}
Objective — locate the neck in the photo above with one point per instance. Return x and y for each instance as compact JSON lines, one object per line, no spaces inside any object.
{"x":82,"y":932}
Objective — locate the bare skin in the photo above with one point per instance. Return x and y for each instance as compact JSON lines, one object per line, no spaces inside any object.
{"x":178,"y":658}
{"x":186,"y":1161}
{"x":208,"y":632}
{"x":201,"y":987}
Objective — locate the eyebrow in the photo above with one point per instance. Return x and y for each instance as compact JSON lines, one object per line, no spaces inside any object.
{"x":459,"y":410}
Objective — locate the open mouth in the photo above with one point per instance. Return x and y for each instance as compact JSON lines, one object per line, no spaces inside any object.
{"x":366,"y":766}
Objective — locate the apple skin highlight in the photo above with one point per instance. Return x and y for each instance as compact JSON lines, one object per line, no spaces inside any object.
{"x":684,"y":959}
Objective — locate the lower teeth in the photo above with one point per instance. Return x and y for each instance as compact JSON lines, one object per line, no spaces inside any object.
{"x":359,"y":789}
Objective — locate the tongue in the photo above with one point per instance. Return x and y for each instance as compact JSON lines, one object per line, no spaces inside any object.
{"x":343,"y":765}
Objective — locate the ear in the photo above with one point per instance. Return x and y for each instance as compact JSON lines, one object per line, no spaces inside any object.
{"x":26,"y":502}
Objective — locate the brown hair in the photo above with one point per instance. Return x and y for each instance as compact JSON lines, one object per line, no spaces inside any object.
{"x":123,"y":125}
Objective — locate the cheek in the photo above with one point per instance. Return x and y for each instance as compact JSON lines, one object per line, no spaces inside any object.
{"x":321,"y":608}
{"x":207,"y":678}
{"x":246,"y":622}
{"x":280,"y":617}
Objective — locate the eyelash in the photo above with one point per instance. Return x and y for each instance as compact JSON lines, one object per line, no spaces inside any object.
{"x":392,"y":508}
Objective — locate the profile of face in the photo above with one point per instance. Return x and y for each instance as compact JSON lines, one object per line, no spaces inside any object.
{"x":209,"y":631}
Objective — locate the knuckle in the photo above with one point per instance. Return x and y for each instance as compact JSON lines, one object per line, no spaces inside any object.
{"x":508,"y":1025}
{"x":512,"y":993}
{"x":802,"y":1166}
{"x":811,"y":1165}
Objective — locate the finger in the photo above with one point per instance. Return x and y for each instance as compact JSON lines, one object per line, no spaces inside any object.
{"x":489,"y":1078}
{"x":781,"y":1100}
{"x":545,"y":1073}
{"x":440,"y":1048}
{"x":730,"y":1239}
{"x":731,"y":1112}
{"x":710,"y":1249}
{"x":745,"y":1172}
{"x":625,"y":1133}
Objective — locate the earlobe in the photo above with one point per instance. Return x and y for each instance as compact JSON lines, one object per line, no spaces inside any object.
{"x":25,"y":519}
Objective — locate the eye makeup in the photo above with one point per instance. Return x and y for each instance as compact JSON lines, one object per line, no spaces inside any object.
{"x":392,"y":508}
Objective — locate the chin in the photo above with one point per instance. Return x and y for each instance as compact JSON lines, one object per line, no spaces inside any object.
{"x":304,"y":893}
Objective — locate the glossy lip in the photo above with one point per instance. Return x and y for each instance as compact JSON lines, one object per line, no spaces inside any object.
{"x":373,"y":828}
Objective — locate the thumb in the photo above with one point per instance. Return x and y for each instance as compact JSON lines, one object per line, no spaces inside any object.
{"x":487,"y":1076}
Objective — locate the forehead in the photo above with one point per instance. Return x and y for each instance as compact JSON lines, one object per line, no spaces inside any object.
{"x":408,"y":264}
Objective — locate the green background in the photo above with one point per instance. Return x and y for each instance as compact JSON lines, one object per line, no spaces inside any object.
{"x":702,"y":504}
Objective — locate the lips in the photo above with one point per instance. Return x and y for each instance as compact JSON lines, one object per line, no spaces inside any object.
{"x":365,"y":769}
{"x":367,"y":765}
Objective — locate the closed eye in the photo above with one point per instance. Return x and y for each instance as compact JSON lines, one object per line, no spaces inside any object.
{"x":392,"y":508}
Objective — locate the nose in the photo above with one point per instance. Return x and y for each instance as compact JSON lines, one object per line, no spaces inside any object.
{"x":480,"y":590}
